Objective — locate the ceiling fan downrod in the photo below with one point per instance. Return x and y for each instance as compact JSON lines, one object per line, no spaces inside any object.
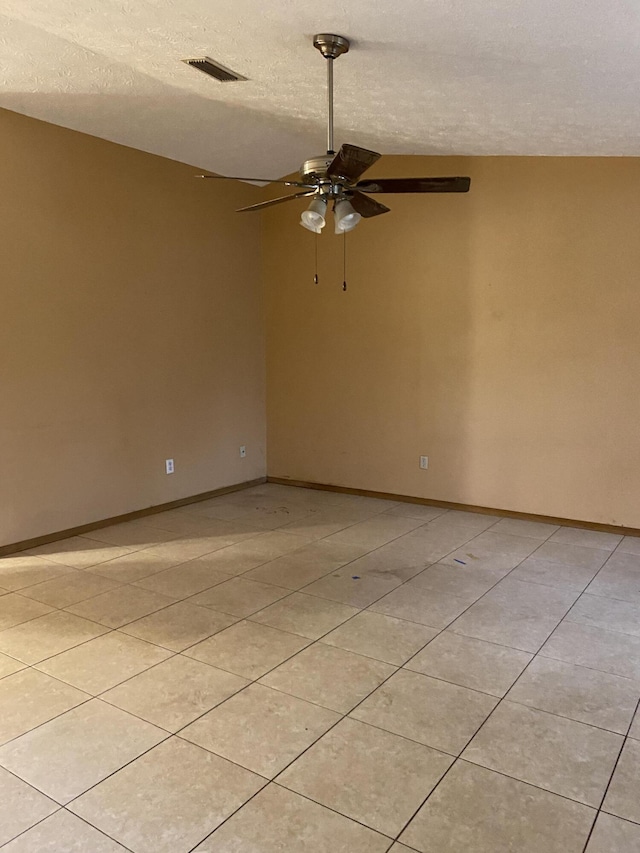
{"x":331,"y":46}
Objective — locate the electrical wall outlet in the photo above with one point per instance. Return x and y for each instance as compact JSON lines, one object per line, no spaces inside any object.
{"x":243,"y":451}
{"x":424,"y":462}
{"x":168,"y":466}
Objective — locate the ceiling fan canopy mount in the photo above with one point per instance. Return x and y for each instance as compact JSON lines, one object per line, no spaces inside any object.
{"x":330,"y":45}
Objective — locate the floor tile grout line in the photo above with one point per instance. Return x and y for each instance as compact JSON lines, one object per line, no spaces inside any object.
{"x":37,"y":823}
{"x":172,"y":655}
{"x":35,"y":664}
{"x":269,"y":782}
{"x":456,"y":759}
{"x":116,"y":585}
{"x":274,"y":780}
{"x":608,"y":785}
{"x":150,"y":549}
{"x":601,"y":627}
{"x":234,"y":812}
{"x":291,"y":593}
{"x":612,"y":598}
{"x":186,"y":509}
{"x":452,"y":622}
{"x":348,"y":713}
{"x":500,"y":700}
{"x":535,"y":655}
{"x":192,"y":559}
{"x":254,"y":681}
{"x":623,"y":745}
{"x":622,"y":819}
{"x":44,"y":723}
{"x":459,"y":758}
{"x":402,"y":583}
{"x":498,"y":519}
{"x":109,"y":630}
{"x":56,"y":609}
{"x":586,"y":592}
{"x":258,"y":679}
{"x":113,"y":773}
{"x":270,"y":559}
{"x":20,"y":590}
{"x":606,"y":631}
{"x":24,"y":782}
{"x":342,"y":717}
{"x":147,"y":548}
{"x":90,"y":696}
{"x":359,"y":611}
{"x":84,"y":819}
{"x":423,"y":803}
{"x":41,"y":616}
{"x":391,"y":838}
{"x":64,"y":806}
{"x":73,"y":799}
{"x":529,"y":784}
{"x":130,"y":550}
{"x":190,"y":598}
{"x":459,"y":755}
{"x":554,"y":713}
{"x":280,"y":527}
{"x":57,"y":811}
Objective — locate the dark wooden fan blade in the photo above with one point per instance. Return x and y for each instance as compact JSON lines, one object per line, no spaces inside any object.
{"x":415,"y":185}
{"x":261,"y":205}
{"x":366,"y":206}
{"x":257,"y":180}
{"x":350,"y":162}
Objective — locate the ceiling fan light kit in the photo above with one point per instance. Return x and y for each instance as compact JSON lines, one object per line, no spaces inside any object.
{"x":314,"y":217}
{"x":335,"y":177}
{"x":345,"y":217}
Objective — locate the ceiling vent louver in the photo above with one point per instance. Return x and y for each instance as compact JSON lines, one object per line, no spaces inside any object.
{"x":214,"y":69}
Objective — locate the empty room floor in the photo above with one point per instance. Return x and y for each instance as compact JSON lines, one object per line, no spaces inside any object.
{"x":283,"y":669}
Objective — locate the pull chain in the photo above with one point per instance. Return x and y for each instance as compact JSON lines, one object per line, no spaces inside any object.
{"x":344,"y":261}
{"x":315,"y":277}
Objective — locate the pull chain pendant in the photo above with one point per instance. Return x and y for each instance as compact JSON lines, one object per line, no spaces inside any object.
{"x":315,"y":276}
{"x":344,"y":261}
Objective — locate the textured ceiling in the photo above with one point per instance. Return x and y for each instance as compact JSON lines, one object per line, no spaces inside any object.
{"x":423,"y":77}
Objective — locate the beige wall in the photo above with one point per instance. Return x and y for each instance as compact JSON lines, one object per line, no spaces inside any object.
{"x":132,"y":330}
{"x":496,"y":332}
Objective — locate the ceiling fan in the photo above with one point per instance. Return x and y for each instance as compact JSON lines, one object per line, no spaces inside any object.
{"x":335,"y":177}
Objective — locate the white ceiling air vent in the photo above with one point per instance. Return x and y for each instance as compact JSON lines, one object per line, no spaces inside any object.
{"x":214,"y":69}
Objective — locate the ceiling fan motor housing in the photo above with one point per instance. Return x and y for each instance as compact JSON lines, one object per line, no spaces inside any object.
{"x":315,"y":169}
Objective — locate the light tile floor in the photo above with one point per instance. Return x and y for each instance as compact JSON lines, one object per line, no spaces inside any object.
{"x":282,"y":669}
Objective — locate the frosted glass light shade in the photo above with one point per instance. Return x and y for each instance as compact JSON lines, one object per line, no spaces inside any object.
{"x":313,"y":218}
{"x":345,"y":216}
